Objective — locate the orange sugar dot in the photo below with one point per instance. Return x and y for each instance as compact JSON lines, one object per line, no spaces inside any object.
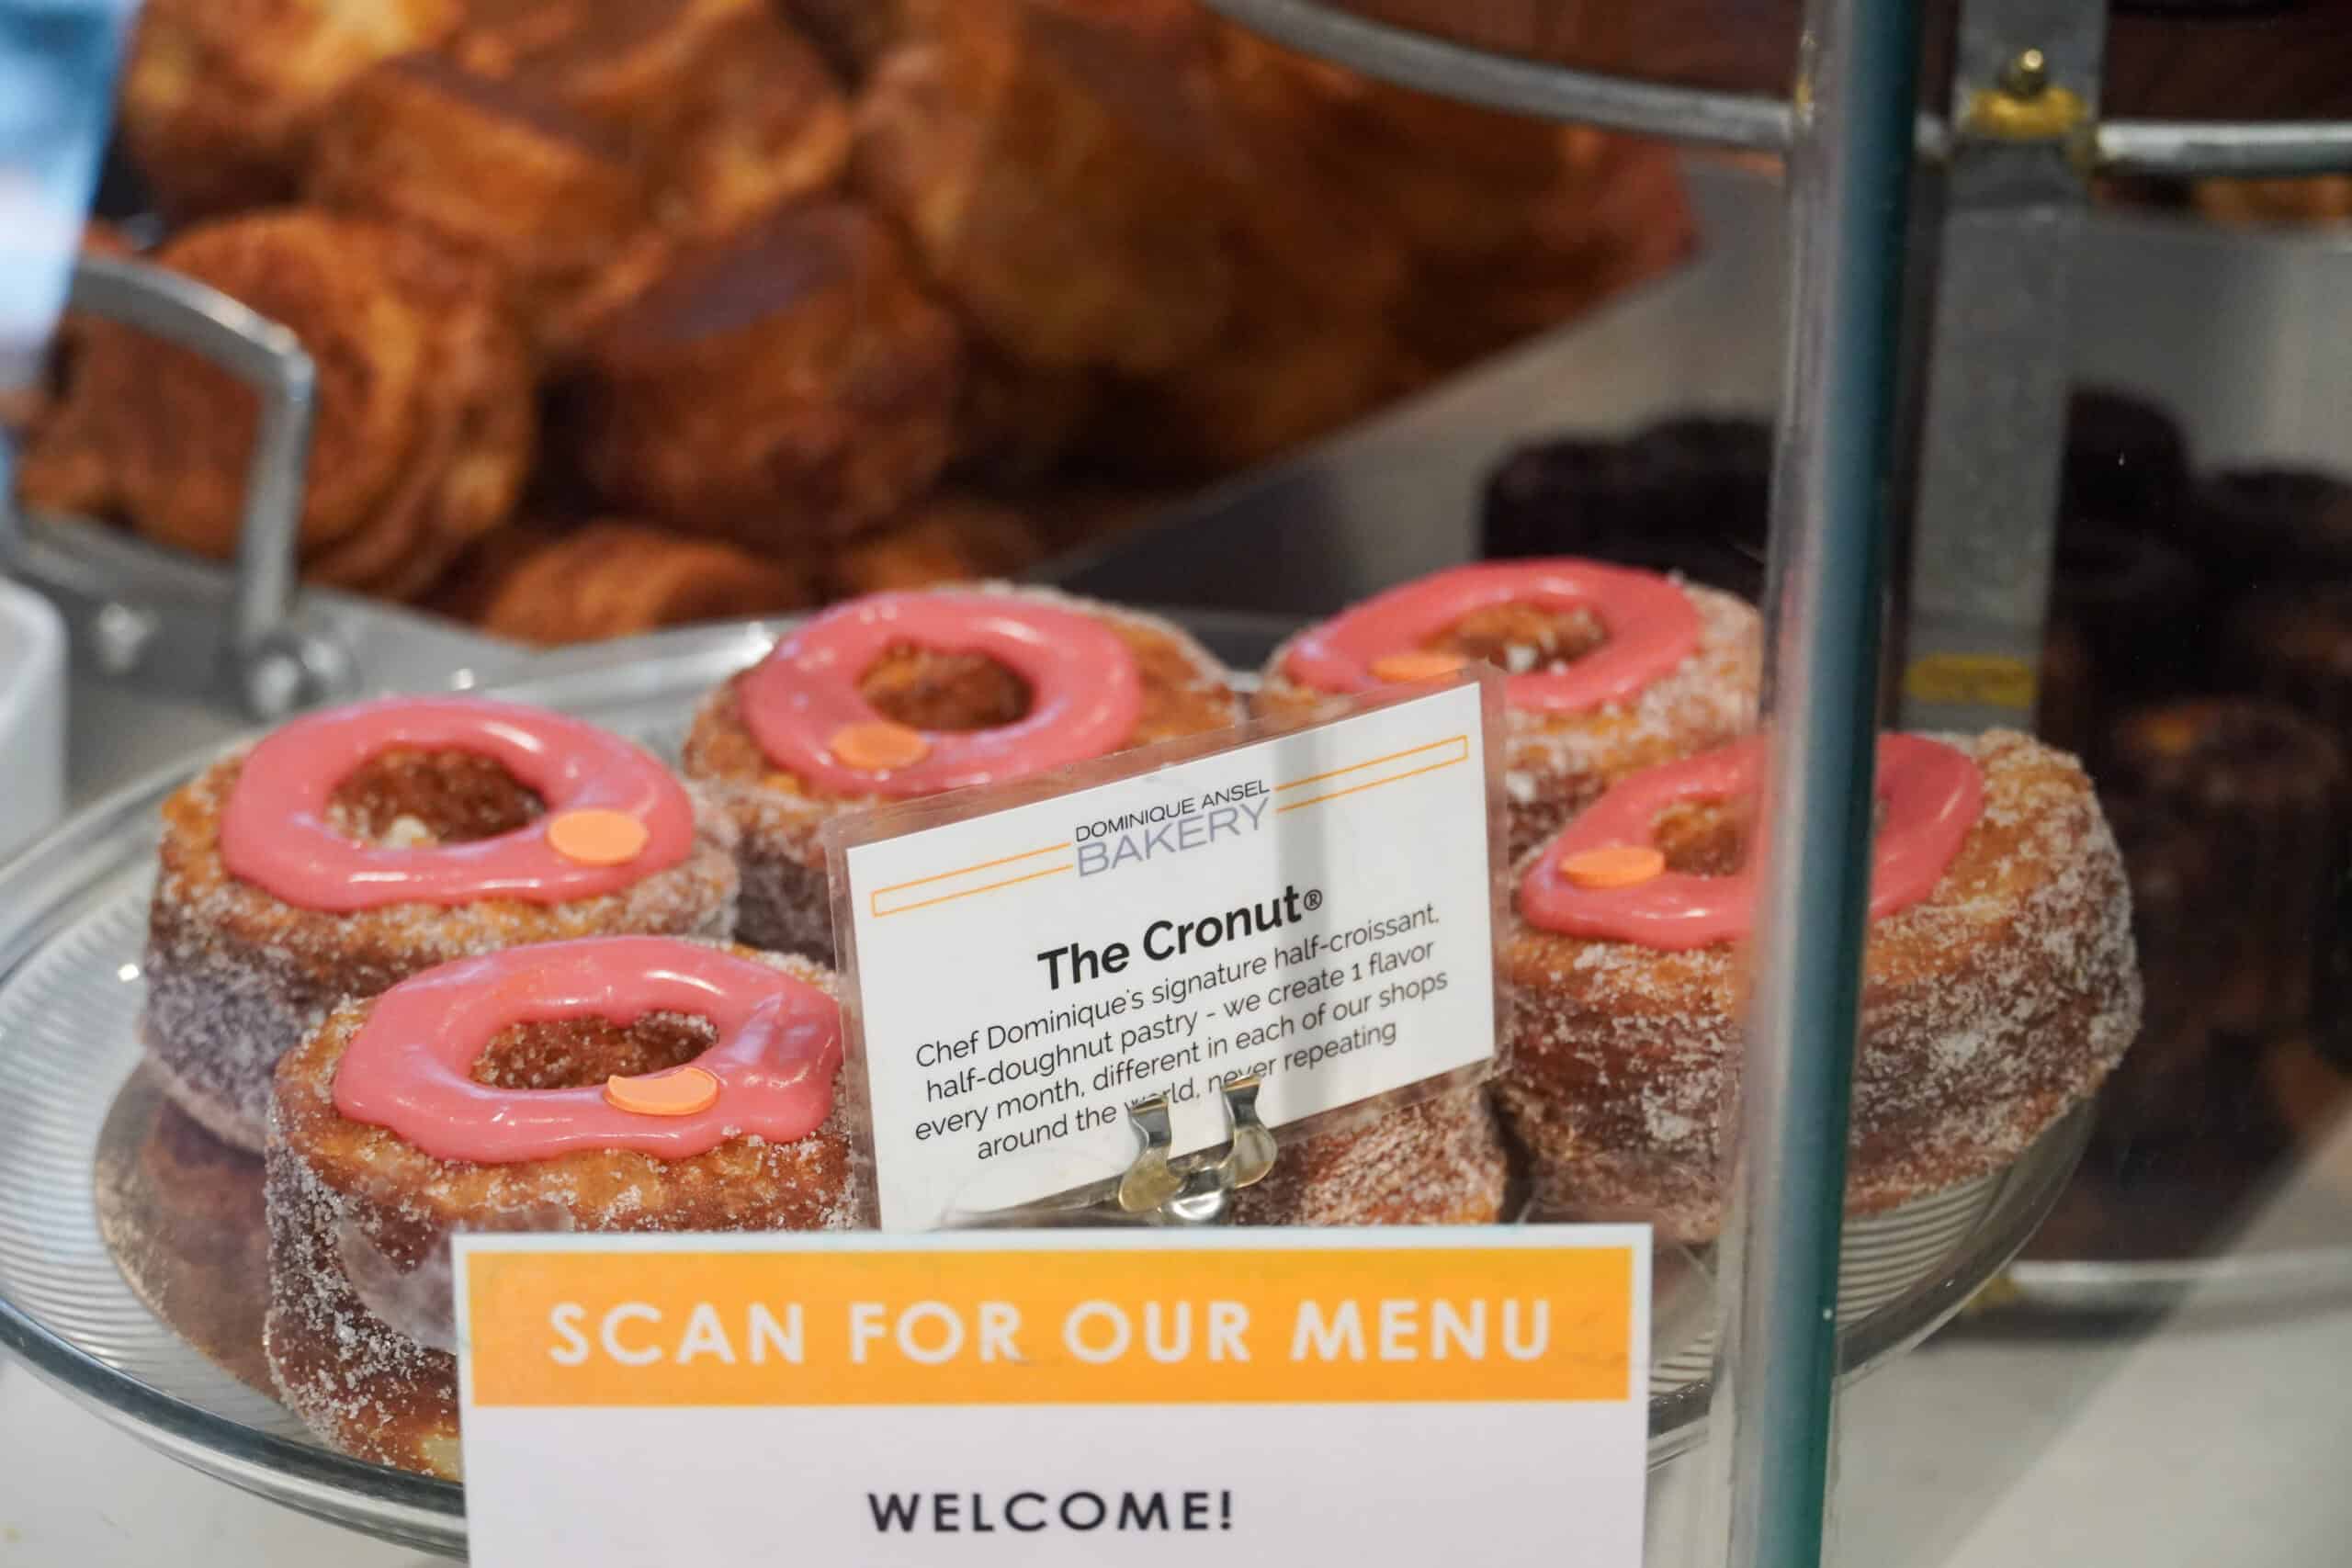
{"x":597,"y":837}
{"x":1416,"y":666}
{"x":1620,"y":865}
{"x":679,"y":1093}
{"x":877,"y":744}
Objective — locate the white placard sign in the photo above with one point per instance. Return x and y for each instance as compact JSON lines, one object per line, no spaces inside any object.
{"x":1369,"y":1396}
{"x":1315,"y":906}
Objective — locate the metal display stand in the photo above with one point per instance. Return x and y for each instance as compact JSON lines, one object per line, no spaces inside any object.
{"x":2007,"y":176}
{"x":134,"y":614}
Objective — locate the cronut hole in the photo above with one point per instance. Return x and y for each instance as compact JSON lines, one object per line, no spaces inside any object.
{"x":408,"y":799}
{"x":584,"y":1051}
{"x":1709,"y":838}
{"x":1522,"y":638}
{"x":925,"y":689}
{"x":1703,"y":838}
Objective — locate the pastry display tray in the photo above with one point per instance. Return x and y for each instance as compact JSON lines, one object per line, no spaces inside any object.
{"x":72,"y":918}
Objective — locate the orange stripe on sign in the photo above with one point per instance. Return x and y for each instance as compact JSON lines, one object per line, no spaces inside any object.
{"x":968,"y":870}
{"x":1305,"y":1326}
{"x":1461,"y":740}
{"x":950,"y":897}
{"x":1375,"y":783}
{"x":874,"y":899}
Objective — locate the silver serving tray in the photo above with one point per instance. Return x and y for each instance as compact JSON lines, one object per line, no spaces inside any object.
{"x":71,"y":920}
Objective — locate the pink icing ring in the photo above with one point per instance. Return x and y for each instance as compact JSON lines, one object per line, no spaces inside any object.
{"x":275,"y":833}
{"x":1086,"y":692}
{"x":1651,"y":626}
{"x":1932,"y":795}
{"x":407,"y":1069}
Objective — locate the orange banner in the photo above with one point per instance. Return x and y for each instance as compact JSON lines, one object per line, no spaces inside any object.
{"x":1310,"y":1324}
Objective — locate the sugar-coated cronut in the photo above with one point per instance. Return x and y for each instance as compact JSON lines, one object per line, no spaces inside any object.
{"x":1612,"y":669}
{"x":584,"y":1035}
{"x":355,"y":847}
{"x":1994,"y":1001}
{"x":1439,"y":1162}
{"x":955,"y":669}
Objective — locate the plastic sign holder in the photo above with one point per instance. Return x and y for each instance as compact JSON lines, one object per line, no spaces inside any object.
{"x":1035,"y":973}
{"x":1038,"y":1398}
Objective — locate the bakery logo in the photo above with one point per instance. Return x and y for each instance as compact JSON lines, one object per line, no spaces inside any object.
{"x":1172,"y":828}
{"x":1166,"y":828}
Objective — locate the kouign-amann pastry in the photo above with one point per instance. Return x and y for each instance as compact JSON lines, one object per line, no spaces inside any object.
{"x":2126,"y":462}
{"x":1999,"y":983}
{"x":219,"y":102}
{"x":855,"y":35}
{"x":544,"y":194}
{"x":758,"y":123}
{"x":2266,"y":790}
{"x":1059,"y":171}
{"x":2164,"y":1084}
{"x":615,"y":1084}
{"x":1688,"y":495}
{"x":1284,"y":370}
{"x":353,"y":847}
{"x":2310,"y":198}
{"x":611,"y":579}
{"x":622,"y":61}
{"x":945,"y":538}
{"x":790,"y":385}
{"x":2290,"y":523}
{"x":1611,"y":669}
{"x":2126,"y":595}
{"x":902,"y":696}
{"x":2294,"y":644}
{"x":724,"y":110}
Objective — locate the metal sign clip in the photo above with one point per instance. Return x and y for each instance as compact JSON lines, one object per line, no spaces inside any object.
{"x":1197,"y":1190}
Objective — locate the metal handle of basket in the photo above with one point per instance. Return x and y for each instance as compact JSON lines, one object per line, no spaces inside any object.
{"x":276,"y":668}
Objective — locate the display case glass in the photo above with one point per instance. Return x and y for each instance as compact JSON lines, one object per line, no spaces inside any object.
{"x":517,"y":473}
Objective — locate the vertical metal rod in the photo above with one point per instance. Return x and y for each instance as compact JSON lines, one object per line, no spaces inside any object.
{"x":271,"y":534}
{"x":1850,"y":173}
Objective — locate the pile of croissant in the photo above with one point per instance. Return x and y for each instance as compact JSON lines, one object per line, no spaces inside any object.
{"x":628,"y":312}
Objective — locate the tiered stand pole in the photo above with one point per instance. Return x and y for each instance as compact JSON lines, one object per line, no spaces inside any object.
{"x":1849,"y":182}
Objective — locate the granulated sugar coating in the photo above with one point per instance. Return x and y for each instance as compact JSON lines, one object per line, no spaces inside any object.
{"x":360,"y":1221}
{"x":235,"y":976}
{"x":784,"y":903}
{"x":1440,"y":1162}
{"x":1989,"y":1011}
{"x":1555,"y":764}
